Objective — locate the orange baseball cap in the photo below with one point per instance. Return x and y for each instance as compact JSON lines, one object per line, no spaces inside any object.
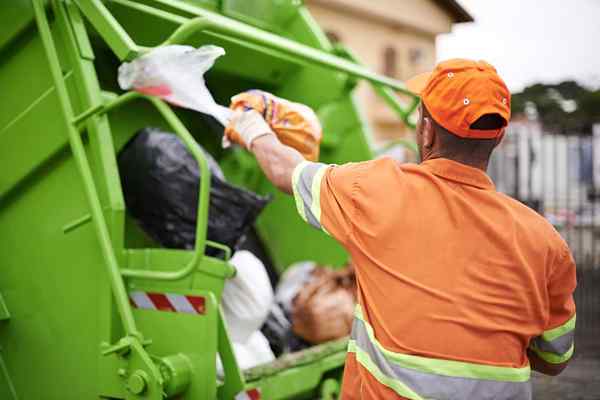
{"x":458,"y":92}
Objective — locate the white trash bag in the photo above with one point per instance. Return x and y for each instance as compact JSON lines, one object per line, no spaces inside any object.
{"x":247,"y":297}
{"x":175,"y":73}
{"x":253,"y":352}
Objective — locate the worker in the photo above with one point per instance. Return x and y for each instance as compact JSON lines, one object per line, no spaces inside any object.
{"x":462,"y":290}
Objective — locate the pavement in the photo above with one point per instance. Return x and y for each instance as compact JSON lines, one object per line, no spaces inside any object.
{"x":579,"y":381}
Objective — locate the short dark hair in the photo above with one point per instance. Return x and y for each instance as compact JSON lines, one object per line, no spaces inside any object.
{"x":454,"y":146}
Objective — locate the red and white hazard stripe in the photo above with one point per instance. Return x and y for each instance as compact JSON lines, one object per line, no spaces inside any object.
{"x":250,"y":394}
{"x":168,"y":302}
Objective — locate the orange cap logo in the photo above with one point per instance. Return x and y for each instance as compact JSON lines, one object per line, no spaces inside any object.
{"x":458,"y":92}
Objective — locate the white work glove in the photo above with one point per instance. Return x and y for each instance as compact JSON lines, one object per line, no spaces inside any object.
{"x":244,"y":127}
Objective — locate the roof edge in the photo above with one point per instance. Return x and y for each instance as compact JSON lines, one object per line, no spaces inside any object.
{"x":458,"y":12}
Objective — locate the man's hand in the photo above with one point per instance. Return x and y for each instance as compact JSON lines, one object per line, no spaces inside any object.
{"x":539,"y":365}
{"x":249,"y":129}
{"x":245,"y":127}
{"x":295,"y":124}
{"x":291,"y":134}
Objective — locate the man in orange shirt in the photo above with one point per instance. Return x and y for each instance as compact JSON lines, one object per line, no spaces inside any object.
{"x":461,"y":289}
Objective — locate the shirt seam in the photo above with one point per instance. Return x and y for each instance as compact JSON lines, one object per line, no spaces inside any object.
{"x":353,"y":196}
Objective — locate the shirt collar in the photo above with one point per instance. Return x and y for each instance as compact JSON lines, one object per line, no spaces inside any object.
{"x":458,"y":172}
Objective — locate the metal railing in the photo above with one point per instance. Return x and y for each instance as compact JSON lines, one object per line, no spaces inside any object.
{"x":126,"y":49}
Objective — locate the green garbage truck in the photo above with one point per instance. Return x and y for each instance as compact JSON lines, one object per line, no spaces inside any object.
{"x":70,"y":254}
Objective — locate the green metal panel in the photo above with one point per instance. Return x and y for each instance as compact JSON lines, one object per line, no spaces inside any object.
{"x":266,"y":14}
{"x":54,"y":286}
{"x":192,"y":337}
{"x":15,"y":17}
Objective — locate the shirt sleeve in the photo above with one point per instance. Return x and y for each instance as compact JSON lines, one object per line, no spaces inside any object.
{"x":324,"y":196}
{"x":556,"y":344}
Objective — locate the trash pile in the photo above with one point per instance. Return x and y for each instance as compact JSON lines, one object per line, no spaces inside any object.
{"x":313,"y":304}
{"x":160,"y":180}
{"x":310,"y":305}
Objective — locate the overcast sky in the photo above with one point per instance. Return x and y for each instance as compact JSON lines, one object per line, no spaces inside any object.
{"x":529,"y":41}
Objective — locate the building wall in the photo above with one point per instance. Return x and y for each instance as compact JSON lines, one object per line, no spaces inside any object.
{"x":397,"y":40}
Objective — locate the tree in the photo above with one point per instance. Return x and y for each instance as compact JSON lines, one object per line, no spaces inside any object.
{"x":566,"y":107}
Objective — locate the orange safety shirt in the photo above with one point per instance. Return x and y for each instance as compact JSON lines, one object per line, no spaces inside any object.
{"x":455,"y":280}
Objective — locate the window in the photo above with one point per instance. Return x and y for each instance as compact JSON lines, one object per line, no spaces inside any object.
{"x":416,"y":57}
{"x":390,"y":62}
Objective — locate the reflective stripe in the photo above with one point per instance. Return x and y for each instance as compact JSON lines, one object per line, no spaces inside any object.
{"x":316,"y":193}
{"x":554,"y":358}
{"x":560,"y":330}
{"x":434,"y":378}
{"x":556,"y":345}
{"x":560,"y":345}
{"x":448,"y":367}
{"x":364,"y":359}
{"x":306,"y":183}
{"x":297,"y":197}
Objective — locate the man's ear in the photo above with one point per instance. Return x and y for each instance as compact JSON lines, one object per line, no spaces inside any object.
{"x":428,"y":133}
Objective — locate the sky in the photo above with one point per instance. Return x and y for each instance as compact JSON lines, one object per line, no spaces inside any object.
{"x":530,"y":41}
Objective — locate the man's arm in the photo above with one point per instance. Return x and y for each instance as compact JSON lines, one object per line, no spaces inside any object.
{"x":249,"y":129}
{"x":322,"y":193}
{"x":550,"y":352}
{"x":277,"y":160}
{"x":539,"y":365}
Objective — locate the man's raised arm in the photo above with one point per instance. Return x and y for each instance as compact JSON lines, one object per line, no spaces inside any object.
{"x":277,"y":160}
{"x":281,"y":134}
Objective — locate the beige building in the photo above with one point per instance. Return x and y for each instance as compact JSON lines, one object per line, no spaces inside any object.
{"x":393,"y":37}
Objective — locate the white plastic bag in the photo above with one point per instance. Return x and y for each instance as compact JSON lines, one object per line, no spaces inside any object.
{"x":247,"y":297}
{"x":253,"y":352}
{"x":176,"y":74}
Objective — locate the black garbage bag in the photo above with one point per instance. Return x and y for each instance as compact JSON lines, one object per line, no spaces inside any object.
{"x":278,"y":331}
{"x":160,"y":180}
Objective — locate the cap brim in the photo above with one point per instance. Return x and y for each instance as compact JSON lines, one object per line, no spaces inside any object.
{"x":417,"y":83}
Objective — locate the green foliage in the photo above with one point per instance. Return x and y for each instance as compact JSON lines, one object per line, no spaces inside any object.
{"x":566,"y":107}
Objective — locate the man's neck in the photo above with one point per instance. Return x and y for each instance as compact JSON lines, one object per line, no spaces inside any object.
{"x":479,"y":164}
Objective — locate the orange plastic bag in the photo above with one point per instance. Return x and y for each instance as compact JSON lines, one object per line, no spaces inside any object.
{"x":295,"y":124}
{"x":324,"y":309}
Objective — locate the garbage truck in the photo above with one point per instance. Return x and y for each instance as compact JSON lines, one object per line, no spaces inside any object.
{"x":70,"y":253}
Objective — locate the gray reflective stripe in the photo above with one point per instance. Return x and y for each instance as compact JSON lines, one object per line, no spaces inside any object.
{"x":430,"y":385}
{"x":556,"y":345}
{"x":306,"y":190}
{"x":560,"y":330}
{"x":460,"y":369}
{"x":559,"y":346}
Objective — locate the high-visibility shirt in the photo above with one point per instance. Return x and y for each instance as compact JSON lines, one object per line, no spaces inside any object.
{"x":455,"y":280}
